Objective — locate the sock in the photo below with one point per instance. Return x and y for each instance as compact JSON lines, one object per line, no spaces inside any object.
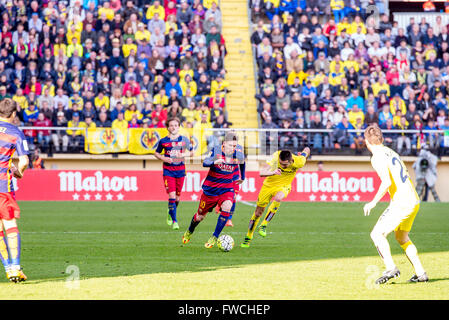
{"x":383,"y":248}
{"x":177,"y":203}
{"x":4,"y":254}
{"x":252,"y":226}
{"x":271,"y":212}
{"x":231,"y":213}
{"x":194,"y":223}
{"x":13,"y":238}
{"x":412,"y":254}
{"x":221,"y":222}
{"x":172,"y":209}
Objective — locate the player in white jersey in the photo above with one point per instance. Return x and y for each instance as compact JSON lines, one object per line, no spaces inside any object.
{"x":401,"y":212}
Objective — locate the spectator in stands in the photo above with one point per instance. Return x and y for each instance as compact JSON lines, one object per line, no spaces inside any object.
{"x":342,"y":136}
{"x":43,"y":136}
{"x":76,"y":136}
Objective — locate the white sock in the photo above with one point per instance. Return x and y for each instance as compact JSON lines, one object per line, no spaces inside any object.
{"x":384,"y":251}
{"x":412,"y":255}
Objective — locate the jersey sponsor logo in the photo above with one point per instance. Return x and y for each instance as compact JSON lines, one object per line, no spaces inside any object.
{"x":226,"y":167}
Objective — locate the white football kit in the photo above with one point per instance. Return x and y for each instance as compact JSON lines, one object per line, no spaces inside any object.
{"x":404,"y":204}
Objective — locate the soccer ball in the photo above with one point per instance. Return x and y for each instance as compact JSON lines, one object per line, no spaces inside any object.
{"x":225,"y":243}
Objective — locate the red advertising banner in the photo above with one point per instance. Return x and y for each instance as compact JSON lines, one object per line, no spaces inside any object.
{"x":99,"y":185}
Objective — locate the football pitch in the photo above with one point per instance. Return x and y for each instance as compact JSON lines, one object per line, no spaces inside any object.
{"x":125,"y":250}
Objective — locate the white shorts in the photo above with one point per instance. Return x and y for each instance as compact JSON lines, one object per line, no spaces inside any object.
{"x":397,"y":216}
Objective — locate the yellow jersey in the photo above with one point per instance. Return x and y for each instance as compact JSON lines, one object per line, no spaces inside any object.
{"x":287,"y":175}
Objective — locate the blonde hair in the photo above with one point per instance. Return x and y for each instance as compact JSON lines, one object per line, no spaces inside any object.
{"x":374,"y":134}
{"x":7,"y":107}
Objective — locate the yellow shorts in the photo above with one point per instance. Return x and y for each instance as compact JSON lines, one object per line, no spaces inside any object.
{"x":407,"y":222}
{"x":267,"y":193}
{"x":397,"y":217}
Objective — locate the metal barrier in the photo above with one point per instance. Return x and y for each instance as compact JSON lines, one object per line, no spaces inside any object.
{"x":264,"y":141}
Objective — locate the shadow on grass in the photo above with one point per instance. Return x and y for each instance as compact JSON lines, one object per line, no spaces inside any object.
{"x":131,"y":238}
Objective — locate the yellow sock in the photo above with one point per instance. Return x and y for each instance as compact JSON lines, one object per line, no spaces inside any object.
{"x":271,"y":212}
{"x":252,"y":226}
{"x":405,"y":245}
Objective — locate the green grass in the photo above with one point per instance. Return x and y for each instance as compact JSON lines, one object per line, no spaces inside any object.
{"x":125,"y":250}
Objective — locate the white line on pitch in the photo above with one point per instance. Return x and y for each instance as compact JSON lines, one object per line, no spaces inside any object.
{"x":235,"y":232}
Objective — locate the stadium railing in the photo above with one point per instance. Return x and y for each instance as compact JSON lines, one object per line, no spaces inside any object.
{"x":255,"y":141}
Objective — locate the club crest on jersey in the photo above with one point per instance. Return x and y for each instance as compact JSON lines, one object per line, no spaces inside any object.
{"x":149,"y":139}
{"x":108,"y":137}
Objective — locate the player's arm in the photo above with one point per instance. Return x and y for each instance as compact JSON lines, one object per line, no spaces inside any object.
{"x":163,"y":158}
{"x":271,"y":167}
{"x":242,"y":168}
{"x":382,"y":171}
{"x":21,"y":166}
{"x":305,"y":153}
{"x":300,"y":159}
{"x":211,"y":160}
{"x":158,"y":154}
{"x":266,"y":171}
{"x":22,"y":152}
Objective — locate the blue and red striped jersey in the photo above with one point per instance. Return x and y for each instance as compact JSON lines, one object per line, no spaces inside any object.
{"x":11,"y":140}
{"x":222,"y":177}
{"x":177,"y":168}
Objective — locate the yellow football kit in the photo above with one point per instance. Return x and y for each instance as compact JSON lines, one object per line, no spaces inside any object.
{"x":279,"y":183}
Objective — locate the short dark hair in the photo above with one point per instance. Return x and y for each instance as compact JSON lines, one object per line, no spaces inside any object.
{"x":7,"y":107}
{"x":285,"y":155}
{"x":167,"y":123}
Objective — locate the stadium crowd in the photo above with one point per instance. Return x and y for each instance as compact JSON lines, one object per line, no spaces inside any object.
{"x":117,"y":63}
{"x":329,"y":65}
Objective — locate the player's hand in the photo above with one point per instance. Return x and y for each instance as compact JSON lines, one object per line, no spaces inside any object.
{"x":219,"y":161}
{"x":306,"y":150}
{"x":277,"y":172}
{"x":239,"y":181}
{"x":368,"y":207}
{"x":15,"y":171}
{"x":168,"y":160}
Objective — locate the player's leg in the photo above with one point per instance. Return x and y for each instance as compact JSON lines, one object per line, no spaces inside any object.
{"x":402,"y":237}
{"x":387,"y":222}
{"x":206,"y":203}
{"x":252,"y":225}
{"x":172,"y":209}
{"x":273,"y":208}
{"x":4,"y":254}
{"x":411,"y":252}
{"x":171,"y":186}
{"x":225,"y":209}
{"x":264,"y":198}
{"x":174,"y":201}
{"x":231,"y":213}
{"x":13,"y":244}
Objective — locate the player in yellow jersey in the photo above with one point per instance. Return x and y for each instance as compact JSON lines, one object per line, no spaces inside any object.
{"x":279,"y":172}
{"x":401,"y":212}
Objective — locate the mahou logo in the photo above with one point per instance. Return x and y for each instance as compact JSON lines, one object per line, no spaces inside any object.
{"x":312,"y":182}
{"x":73,"y":181}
